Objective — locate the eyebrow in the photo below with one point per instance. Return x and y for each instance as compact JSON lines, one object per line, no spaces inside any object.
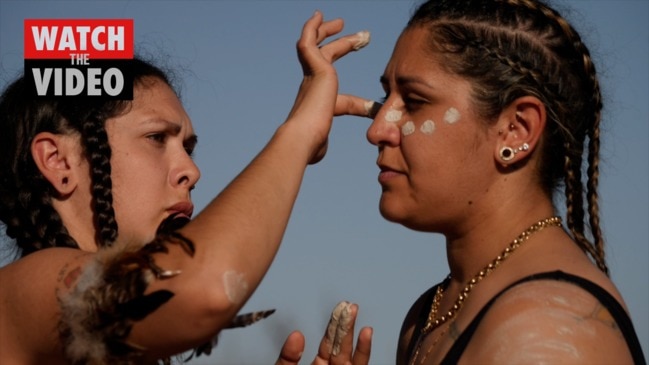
{"x":175,"y":128}
{"x":402,"y":80}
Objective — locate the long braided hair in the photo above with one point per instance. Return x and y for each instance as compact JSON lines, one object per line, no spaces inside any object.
{"x":25,"y":195}
{"x":514,"y":48}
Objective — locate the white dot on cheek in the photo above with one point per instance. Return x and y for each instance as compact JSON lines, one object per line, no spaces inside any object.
{"x":408,"y":128}
{"x":451,"y":116}
{"x":428,"y":127}
{"x":392,"y":116}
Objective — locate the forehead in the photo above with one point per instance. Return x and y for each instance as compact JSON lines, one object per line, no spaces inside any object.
{"x":413,"y":55}
{"x":153,"y":98}
{"x":414,"y":59}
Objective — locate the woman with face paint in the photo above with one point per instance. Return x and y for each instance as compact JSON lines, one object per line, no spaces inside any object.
{"x":491,"y":107}
{"x":96,"y":195}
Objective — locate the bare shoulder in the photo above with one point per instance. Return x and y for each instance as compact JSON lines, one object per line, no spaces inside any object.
{"x":43,"y":269}
{"x":29,"y":299}
{"x":549,"y":321}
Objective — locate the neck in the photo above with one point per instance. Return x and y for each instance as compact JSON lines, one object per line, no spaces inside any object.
{"x":79,"y":224}
{"x":486,"y":236}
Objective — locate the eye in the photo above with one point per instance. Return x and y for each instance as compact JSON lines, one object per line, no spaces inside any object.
{"x":190,"y":151}
{"x":159,"y":138}
{"x":189,"y":145}
{"x":413,"y":103}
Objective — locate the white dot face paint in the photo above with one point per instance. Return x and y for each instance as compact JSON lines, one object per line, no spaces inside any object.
{"x":428,"y":127}
{"x":235,"y":285}
{"x":393,"y":116}
{"x":408,"y":128}
{"x":451,"y":116}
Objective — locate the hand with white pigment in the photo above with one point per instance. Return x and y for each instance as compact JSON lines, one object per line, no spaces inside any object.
{"x":337,"y":345}
{"x":316,"y":102}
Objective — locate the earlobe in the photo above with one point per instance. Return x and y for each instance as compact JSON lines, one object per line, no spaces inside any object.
{"x":520,"y":128}
{"x":51,"y":154}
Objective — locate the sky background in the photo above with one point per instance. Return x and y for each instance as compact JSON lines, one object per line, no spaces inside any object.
{"x":239,"y":75}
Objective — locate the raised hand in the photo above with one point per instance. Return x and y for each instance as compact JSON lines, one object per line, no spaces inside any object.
{"x":315,"y":104}
{"x":337,"y":344}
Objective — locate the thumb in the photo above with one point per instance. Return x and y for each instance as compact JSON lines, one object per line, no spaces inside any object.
{"x":292,"y":350}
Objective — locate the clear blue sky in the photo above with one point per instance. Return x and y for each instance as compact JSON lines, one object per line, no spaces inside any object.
{"x":239,"y":76}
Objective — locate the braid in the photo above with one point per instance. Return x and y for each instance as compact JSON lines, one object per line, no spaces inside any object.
{"x":98,"y":152}
{"x":593,"y":154}
{"x":574,"y":204}
{"x":596,"y":249}
{"x":513,"y":48}
{"x":48,"y":229}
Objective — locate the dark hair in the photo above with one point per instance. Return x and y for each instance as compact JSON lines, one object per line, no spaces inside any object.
{"x":25,"y":195}
{"x":514,"y":48}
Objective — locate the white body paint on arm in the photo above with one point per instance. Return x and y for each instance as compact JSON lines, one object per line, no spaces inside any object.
{"x":236,"y":287}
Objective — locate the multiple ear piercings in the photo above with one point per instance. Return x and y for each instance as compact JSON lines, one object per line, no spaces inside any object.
{"x":507,"y":153}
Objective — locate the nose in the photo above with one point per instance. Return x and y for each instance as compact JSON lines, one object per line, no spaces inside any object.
{"x":187,"y":174}
{"x":384,"y":132}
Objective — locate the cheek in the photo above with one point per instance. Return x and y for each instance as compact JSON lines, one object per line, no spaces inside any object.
{"x":137,"y":200}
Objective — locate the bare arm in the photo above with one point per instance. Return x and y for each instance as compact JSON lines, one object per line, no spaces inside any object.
{"x":238,"y":234}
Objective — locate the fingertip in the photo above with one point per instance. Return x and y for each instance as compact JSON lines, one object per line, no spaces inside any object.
{"x":362,"y":39}
{"x":293,"y":349}
{"x":297,"y":338}
{"x":354,"y":308}
{"x":372,"y":108}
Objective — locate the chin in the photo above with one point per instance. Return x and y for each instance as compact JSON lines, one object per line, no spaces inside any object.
{"x":391,"y":213}
{"x":404,"y":218}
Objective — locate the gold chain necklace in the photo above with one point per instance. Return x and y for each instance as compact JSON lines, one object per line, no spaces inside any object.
{"x":433,"y":322}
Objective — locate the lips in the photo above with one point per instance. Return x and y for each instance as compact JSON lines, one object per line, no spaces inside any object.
{"x":387,"y":173}
{"x":179,"y":215}
{"x":181,"y":210}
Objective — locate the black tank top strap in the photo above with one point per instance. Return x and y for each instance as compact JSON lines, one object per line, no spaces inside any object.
{"x":611,"y":304}
{"x":422,"y":318}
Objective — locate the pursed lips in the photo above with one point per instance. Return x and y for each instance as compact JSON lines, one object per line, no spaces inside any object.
{"x":182,"y":209}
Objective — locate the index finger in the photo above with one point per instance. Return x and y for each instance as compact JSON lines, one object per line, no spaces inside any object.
{"x":337,"y":344}
{"x":354,"y":105}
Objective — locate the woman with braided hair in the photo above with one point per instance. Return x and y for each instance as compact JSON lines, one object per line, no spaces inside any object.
{"x":96,"y":194}
{"x":491,"y":107}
